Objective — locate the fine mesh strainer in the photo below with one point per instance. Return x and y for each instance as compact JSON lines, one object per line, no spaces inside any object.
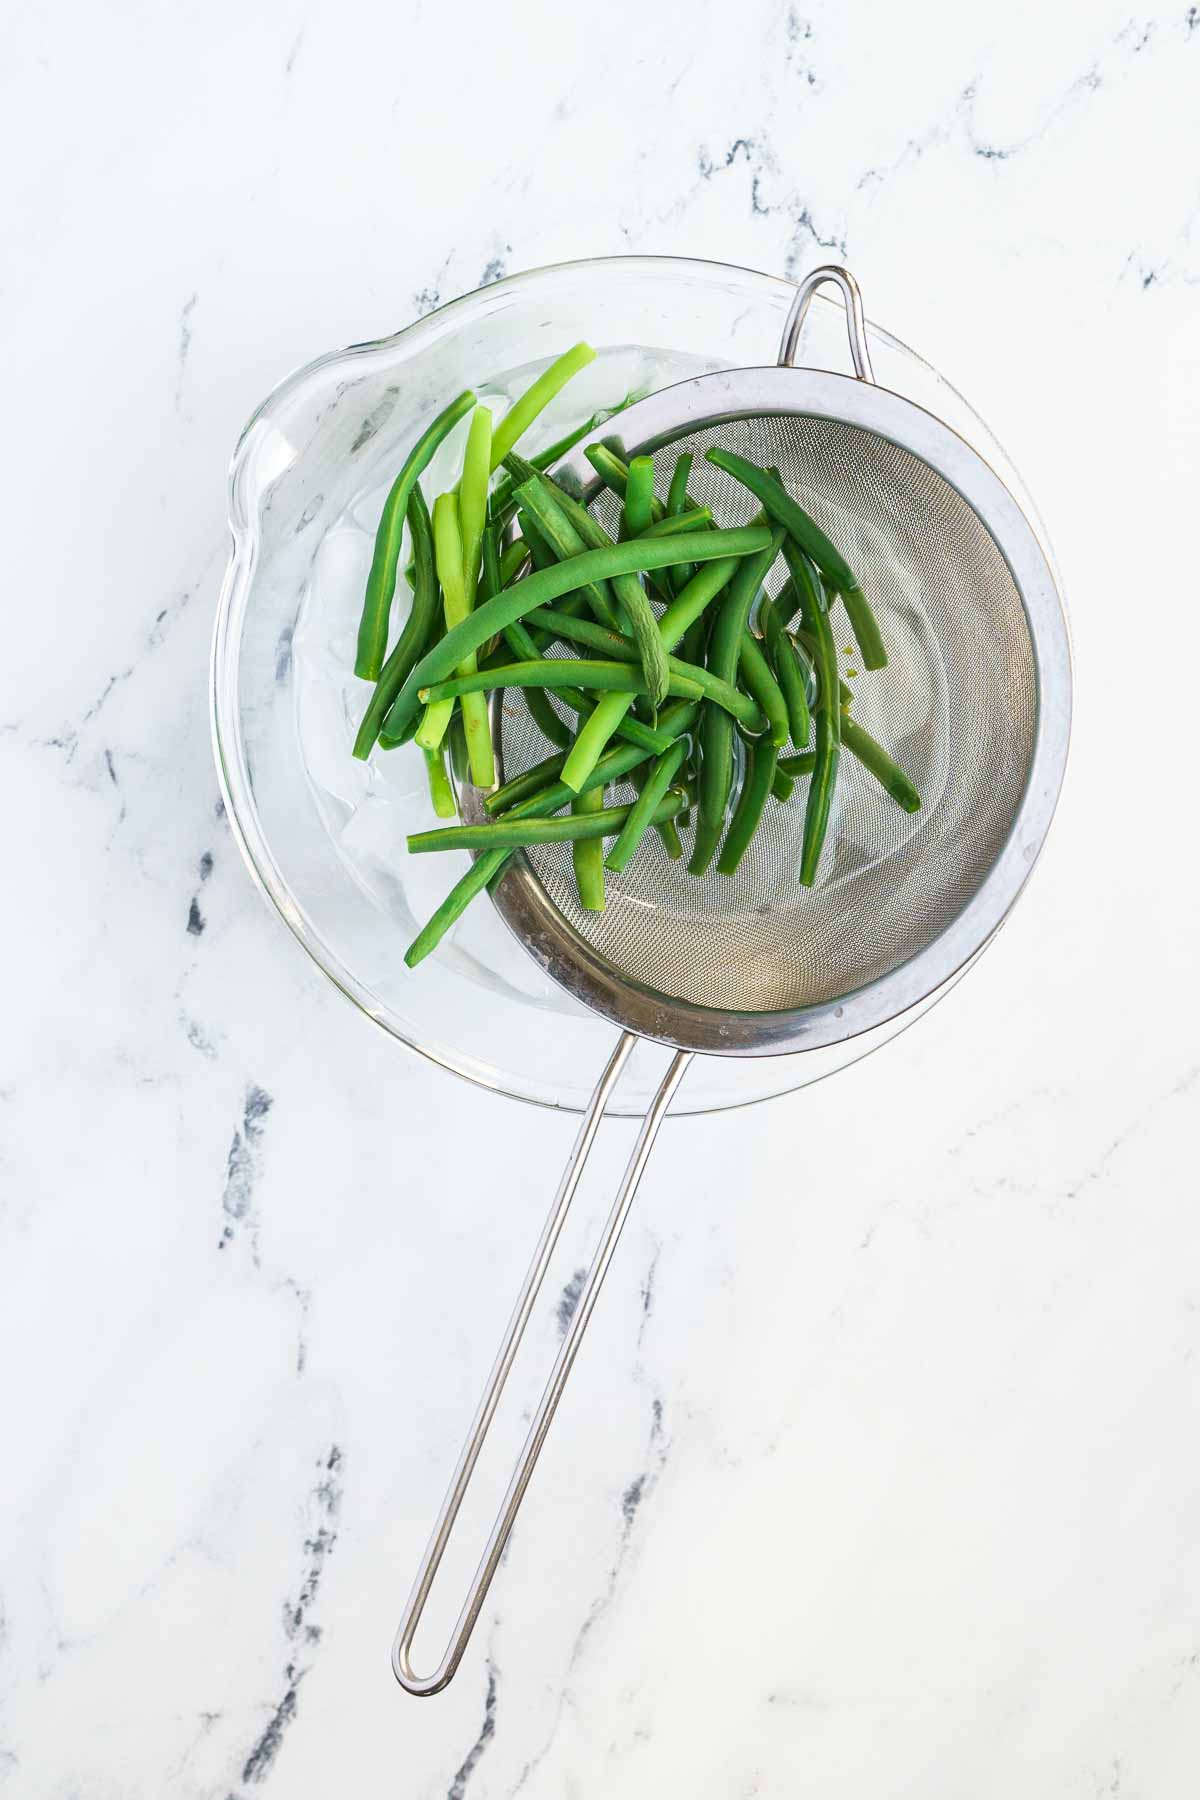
{"x":974,"y":703}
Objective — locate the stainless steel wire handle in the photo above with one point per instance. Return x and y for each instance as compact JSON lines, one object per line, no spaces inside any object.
{"x":856,"y":323}
{"x":568,"y":1350}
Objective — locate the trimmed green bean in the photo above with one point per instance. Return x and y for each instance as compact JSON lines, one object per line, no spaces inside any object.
{"x":535,"y":399}
{"x":747,"y":709}
{"x":486,"y":871}
{"x":530,"y":781}
{"x":639,"y":496}
{"x":791,"y":674}
{"x":812,"y":540}
{"x":716,"y":728}
{"x":700,"y":591}
{"x":873,"y":756}
{"x":511,"y":558}
{"x":761,"y":760}
{"x":413,"y":639}
{"x":545,"y":459}
{"x":691,"y":520}
{"x":473,"y":497}
{"x":552,"y":728}
{"x":456,"y":737}
{"x":439,"y":782}
{"x":761,"y":684}
{"x":642,"y":811}
{"x":615,"y":473}
{"x":674,"y":721}
{"x":814,"y":608}
{"x":541,"y":553}
{"x":587,"y":854}
{"x":678,"y":503}
{"x":570,"y":671}
{"x":613,"y":763}
{"x":539,"y":502}
{"x":677,"y":496}
{"x":782,"y":785}
{"x":512,"y":834}
{"x":795,"y":766}
{"x":546,"y":585}
{"x":806,"y":645}
{"x":448,"y":550}
{"x":637,"y":609}
{"x":381,"y":581}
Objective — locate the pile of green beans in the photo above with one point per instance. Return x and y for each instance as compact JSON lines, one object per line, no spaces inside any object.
{"x":645,"y":659}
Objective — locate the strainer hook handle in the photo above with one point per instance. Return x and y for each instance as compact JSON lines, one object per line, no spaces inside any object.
{"x":856,"y":323}
{"x":435,"y":1549}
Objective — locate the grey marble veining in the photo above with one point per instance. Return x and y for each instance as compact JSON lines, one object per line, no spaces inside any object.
{"x":878,"y":1476}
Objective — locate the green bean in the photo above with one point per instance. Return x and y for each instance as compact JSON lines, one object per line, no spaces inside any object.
{"x":448,"y":549}
{"x":674,"y":720}
{"x":552,"y":728}
{"x":761,"y":684}
{"x":569,"y":671}
{"x":677,"y":496}
{"x":482,"y":871}
{"x":541,"y":553}
{"x":716,"y":729}
{"x":678,"y":503}
{"x":381,"y":582}
{"x":613,"y":644}
{"x":460,"y":761}
{"x":791,"y":674}
{"x":814,"y":607}
{"x":528,"y":648}
{"x":439,"y":783}
{"x":473,"y":496}
{"x":700,"y":591}
{"x":529,"y":781}
{"x":642,"y":811}
{"x":587,"y":854}
{"x":558,"y":531}
{"x":806,"y":644}
{"x":546,"y":585}
{"x":487,"y":870}
{"x":558,"y":624}
{"x":613,"y":763}
{"x":491,"y":572}
{"x":795,"y":766}
{"x":511,"y":558}
{"x":761,"y":760}
{"x":667,"y":833}
{"x":812,"y":540}
{"x":510,"y":833}
{"x":639,"y":496}
{"x":873,"y":756}
{"x":412,"y":640}
{"x":615,"y":473}
{"x":553,"y":453}
{"x":535,"y":399}
{"x":637,"y":608}
{"x":607,"y":463}
{"x":692,"y":520}
{"x":782,"y":785}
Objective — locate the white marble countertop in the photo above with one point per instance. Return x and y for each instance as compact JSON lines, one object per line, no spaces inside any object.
{"x":880,"y":1474}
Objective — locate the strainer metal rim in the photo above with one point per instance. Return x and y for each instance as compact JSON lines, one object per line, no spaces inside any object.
{"x":687,"y":407}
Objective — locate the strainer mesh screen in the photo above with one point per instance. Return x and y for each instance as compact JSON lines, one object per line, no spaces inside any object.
{"x":956,"y":707}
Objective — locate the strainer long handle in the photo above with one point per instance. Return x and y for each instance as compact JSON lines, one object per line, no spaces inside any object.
{"x":435,"y":1549}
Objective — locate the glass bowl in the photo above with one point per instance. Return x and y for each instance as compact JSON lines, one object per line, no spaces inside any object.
{"x":322,"y":834}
